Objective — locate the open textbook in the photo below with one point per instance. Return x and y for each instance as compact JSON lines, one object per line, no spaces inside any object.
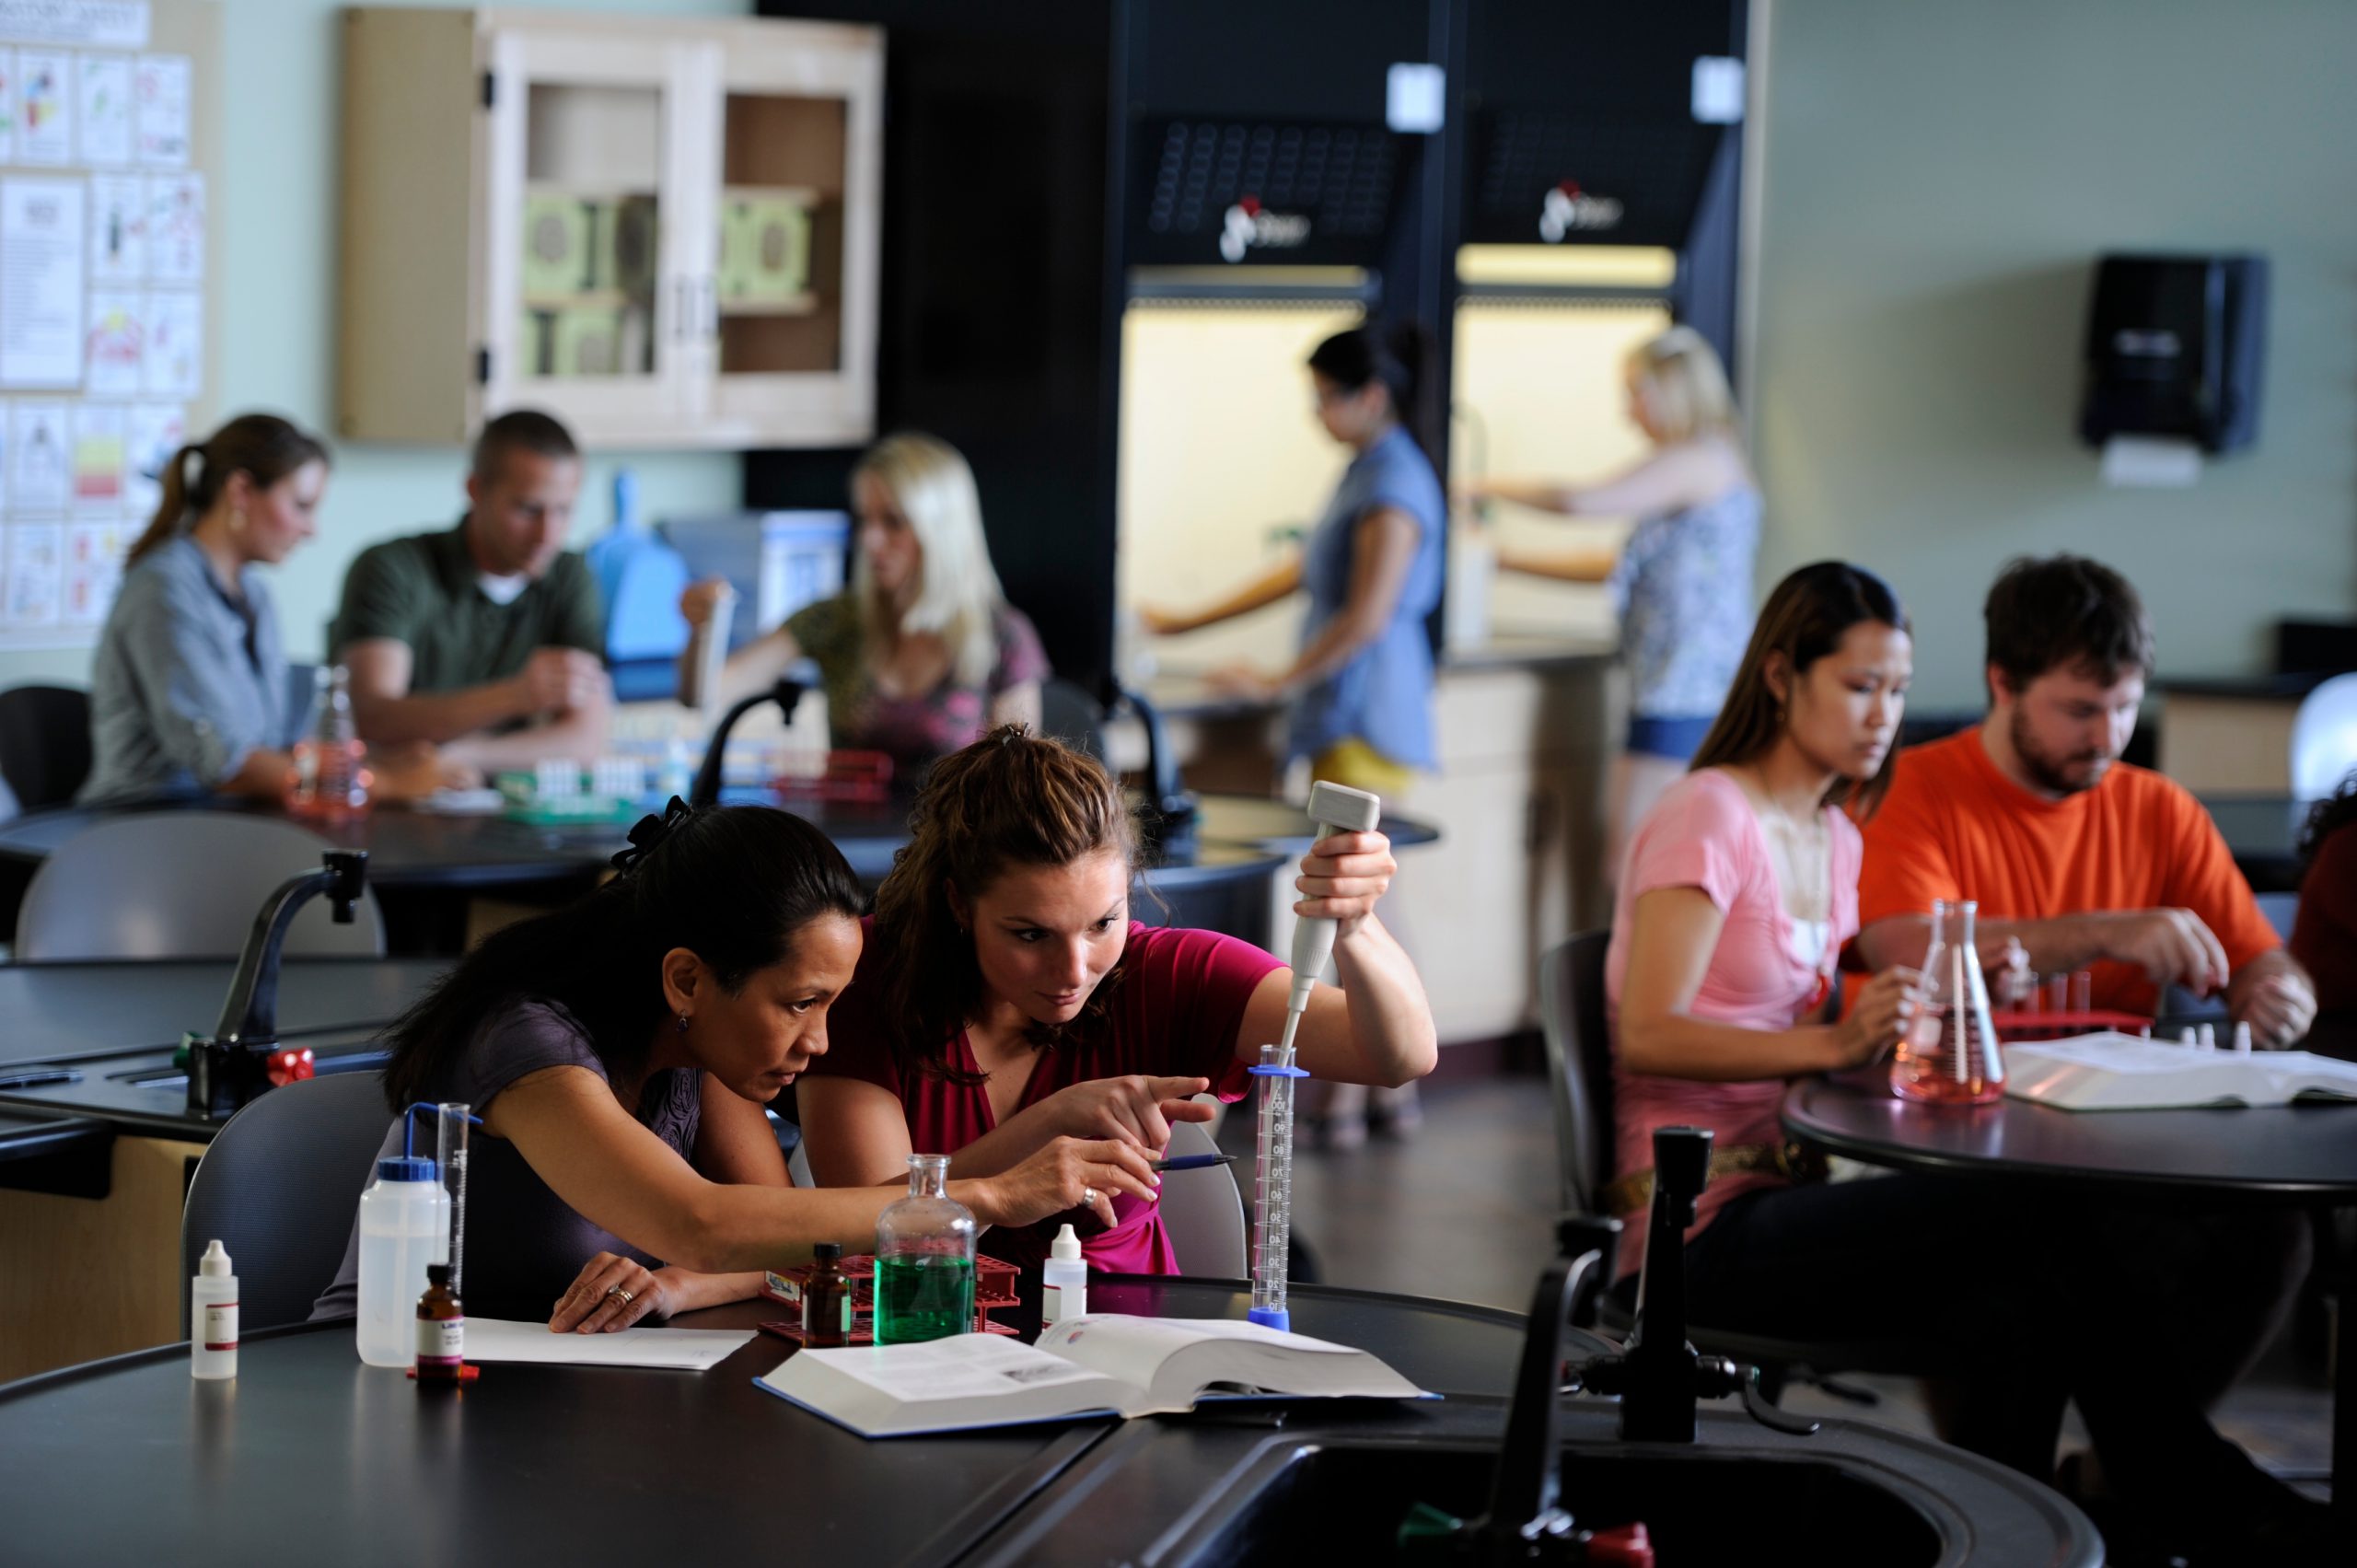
{"x":2118,"y":1072}
{"x":1104,"y":1365}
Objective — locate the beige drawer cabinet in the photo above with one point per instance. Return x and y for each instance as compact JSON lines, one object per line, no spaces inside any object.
{"x":664,"y":231}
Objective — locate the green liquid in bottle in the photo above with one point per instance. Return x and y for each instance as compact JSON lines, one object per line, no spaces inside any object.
{"x":923,"y":1297}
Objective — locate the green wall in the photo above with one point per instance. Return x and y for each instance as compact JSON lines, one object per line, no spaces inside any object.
{"x":277,"y":205}
{"x":1939,"y":181}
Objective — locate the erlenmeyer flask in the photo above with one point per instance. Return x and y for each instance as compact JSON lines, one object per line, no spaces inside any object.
{"x":1948,"y":1054}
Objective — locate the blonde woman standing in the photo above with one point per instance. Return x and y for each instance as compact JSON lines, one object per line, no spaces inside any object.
{"x":924,"y":655}
{"x":1682,"y":583}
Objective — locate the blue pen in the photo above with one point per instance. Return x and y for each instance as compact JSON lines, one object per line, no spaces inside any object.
{"x":1193,"y":1162}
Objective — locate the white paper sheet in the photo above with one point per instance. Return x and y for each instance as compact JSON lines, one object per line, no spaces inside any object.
{"x":677,"y":1350}
{"x":9,"y":106}
{"x":41,"y":467}
{"x":154,"y":434}
{"x":45,"y":116}
{"x":42,"y":241}
{"x":93,"y":569}
{"x":107,"y":24}
{"x":97,"y":457}
{"x":173,"y":347}
{"x":174,"y":230}
{"x":103,"y":107}
{"x":35,"y":572}
{"x":117,"y":347}
{"x":162,"y":93}
{"x":117,"y":228}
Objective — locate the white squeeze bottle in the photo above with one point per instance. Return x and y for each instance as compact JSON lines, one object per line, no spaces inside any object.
{"x":404,"y":1225}
{"x":212,"y":1316}
{"x":1064,"y":1281}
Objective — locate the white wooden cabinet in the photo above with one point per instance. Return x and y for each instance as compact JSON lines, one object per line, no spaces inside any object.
{"x":664,"y":231}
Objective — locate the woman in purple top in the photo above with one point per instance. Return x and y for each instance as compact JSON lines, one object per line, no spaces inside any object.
{"x":923,"y":654}
{"x":620,"y":1052}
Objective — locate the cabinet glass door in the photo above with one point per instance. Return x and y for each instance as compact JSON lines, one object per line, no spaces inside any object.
{"x":794,"y":282}
{"x":590,"y":305}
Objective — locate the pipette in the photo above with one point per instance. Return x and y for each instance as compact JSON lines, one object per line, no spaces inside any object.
{"x":1336,"y":809}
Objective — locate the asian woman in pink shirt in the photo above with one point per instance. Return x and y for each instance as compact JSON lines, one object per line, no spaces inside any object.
{"x":1737,"y":896}
{"x":1007,"y":997}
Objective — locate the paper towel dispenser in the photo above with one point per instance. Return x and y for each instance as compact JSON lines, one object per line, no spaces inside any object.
{"x":2175,"y":349}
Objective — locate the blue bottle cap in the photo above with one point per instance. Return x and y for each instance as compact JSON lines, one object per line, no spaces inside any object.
{"x":407,"y":1168}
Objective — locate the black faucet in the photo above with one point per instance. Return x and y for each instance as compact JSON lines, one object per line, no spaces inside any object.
{"x":786,"y":693}
{"x":1657,"y":1375}
{"x":1172,"y":812}
{"x":229,"y":1069}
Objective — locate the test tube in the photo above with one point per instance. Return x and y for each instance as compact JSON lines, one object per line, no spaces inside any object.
{"x":1272,"y":1187}
{"x":450,"y":1120}
{"x":2082,"y":991}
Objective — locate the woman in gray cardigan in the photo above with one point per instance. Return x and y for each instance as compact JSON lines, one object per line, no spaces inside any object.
{"x":189,"y":692}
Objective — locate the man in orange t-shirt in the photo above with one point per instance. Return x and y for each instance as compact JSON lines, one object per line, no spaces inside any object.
{"x":2089,"y":863}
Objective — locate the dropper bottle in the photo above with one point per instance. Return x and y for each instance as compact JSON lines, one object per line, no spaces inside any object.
{"x":212,"y":1316}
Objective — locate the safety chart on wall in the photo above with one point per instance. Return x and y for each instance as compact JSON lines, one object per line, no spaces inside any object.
{"x":103,"y":245}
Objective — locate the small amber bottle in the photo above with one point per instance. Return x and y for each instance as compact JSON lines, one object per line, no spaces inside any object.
{"x":441,"y":1328}
{"x":826,"y":1299}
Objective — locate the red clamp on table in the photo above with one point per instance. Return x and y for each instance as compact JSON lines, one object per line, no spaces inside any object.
{"x":284,"y":1067}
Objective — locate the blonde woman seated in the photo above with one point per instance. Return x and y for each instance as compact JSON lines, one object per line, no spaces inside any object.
{"x":1682,"y":583}
{"x":923,"y":654}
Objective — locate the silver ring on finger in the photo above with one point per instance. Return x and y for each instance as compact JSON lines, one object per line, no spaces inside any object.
{"x":626,"y":1297}
{"x":1088,"y":1197}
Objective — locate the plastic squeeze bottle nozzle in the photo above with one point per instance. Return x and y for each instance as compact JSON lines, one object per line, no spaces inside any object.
{"x":212,"y":1316}
{"x":1064,"y":1281}
{"x":1336,"y":808}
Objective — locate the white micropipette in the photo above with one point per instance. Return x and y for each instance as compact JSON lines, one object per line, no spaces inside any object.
{"x":1336,"y":809}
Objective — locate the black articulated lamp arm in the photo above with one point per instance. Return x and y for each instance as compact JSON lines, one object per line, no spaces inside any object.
{"x":221,"y":1072}
{"x":1173,"y":803}
{"x":787,"y":693}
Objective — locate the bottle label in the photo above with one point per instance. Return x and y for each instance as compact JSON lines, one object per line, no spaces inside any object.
{"x":219,"y":1324}
{"x":441,"y":1341}
{"x":1051,"y":1304}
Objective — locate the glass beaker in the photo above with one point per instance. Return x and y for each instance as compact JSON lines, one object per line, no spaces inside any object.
{"x":330,"y":779}
{"x":1948,"y":1055}
{"x":925,"y":1259}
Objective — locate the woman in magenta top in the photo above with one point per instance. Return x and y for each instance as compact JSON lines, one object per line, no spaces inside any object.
{"x":1004,"y":996}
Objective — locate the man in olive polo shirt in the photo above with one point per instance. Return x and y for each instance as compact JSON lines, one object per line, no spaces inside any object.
{"x":484,"y":639}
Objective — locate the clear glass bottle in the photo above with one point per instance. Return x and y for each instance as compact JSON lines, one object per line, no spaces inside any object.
{"x":329,"y":779}
{"x":1949,"y":1053}
{"x":925,"y":1259}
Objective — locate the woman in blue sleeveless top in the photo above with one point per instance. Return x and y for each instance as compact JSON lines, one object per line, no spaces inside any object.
{"x":1682,"y":583}
{"x":1360,"y":687}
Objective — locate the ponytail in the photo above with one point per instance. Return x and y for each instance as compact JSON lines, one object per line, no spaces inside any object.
{"x":1401,"y":356}
{"x":263,"y":447}
{"x":173,"y":509}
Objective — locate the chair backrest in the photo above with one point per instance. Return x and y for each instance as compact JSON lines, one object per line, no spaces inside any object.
{"x":280,"y":1186}
{"x":2324,"y":738}
{"x":1072,"y":715}
{"x":1579,"y":1065}
{"x":180,"y":884}
{"x":45,"y":743}
{"x":1203,"y":1210}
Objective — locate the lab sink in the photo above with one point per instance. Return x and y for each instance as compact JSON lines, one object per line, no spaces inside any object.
{"x":1294,"y":1485}
{"x":1346,"y":1504}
